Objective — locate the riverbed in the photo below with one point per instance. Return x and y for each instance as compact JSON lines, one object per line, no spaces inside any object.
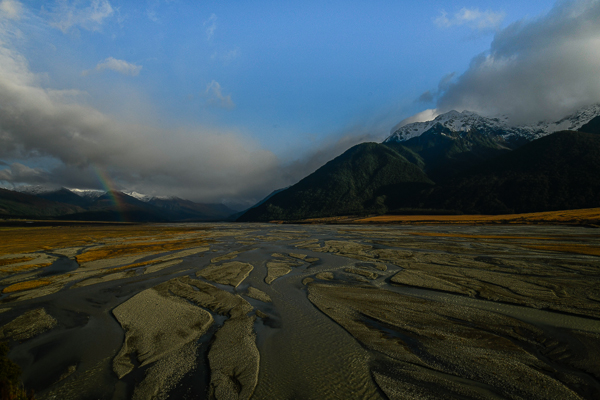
{"x":267,"y":311}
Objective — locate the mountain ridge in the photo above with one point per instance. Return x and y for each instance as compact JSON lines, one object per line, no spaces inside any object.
{"x":98,"y":205}
{"x":461,"y":168}
{"x":498,"y":126}
{"x":361,"y":180}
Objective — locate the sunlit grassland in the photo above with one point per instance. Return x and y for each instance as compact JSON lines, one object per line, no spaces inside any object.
{"x":17,"y":260}
{"x":575,"y":217}
{"x":569,"y":248}
{"x":26,"y":285}
{"x":136,"y":248}
{"x":31,"y":239}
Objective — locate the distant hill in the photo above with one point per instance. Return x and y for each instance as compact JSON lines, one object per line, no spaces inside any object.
{"x":177,"y":209}
{"x":94,"y":205}
{"x":368,"y":178}
{"x":557,"y":172}
{"x":117,"y":206}
{"x":66,"y":196}
{"x":13,"y":204}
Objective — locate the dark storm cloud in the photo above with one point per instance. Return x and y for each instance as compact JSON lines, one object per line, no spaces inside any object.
{"x":535,"y":69}
{"x":21,"y":173}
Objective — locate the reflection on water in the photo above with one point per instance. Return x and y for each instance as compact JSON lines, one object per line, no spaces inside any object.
{"x":60,"y":266}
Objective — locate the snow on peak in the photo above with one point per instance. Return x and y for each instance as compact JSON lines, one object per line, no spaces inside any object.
{"x":465,"y":121}
{"x":140,"y":196}
{"x":87,"y":193}
{"x":453,"y":120}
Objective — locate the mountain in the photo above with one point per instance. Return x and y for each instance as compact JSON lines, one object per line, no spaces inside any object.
{"x":273,"y":193}
{"x":591,"y":127}
{"x":457,"y":163}
{"x":117,"y":206}
{"x":35,"y":190}
{"x":87,"y":193}
{"x":64,"y":195}
{"x":368,"y":178}
{"x":442,"y":153}
{"x":498,"y":127}
{"x":98,"y":205}
{"x":238,"y":214}
{"x":557,"y":172}
{"x":15,"y":204}
{"x":140,"y":196}
{"x":177,"y":209}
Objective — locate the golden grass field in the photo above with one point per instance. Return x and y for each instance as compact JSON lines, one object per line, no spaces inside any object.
{"x":26,"y":285}
{"x":588,"y":216}
{"x":139,"y":247}
{"x":31,"y":239}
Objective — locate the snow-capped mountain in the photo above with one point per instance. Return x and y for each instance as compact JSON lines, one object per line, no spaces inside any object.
{"x":87,"y":193}
{"x":140,"y":196}
{"x":147,"y":198}
{"x":499,"y":126}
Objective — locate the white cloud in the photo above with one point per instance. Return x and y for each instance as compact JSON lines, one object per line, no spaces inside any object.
{"x":11,"y":9}
{"x":198,"y":163}
{"x":473,"y":18}
{"x":211,"y":26}
{"x":423,"y":116}
{"x":120,"y":66}
{"x":216,"y":97}
{"x":68,"y":15}
{"x":535,"y":69}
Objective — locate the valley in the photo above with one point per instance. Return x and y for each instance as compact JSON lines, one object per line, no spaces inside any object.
{"x":262,"y":311}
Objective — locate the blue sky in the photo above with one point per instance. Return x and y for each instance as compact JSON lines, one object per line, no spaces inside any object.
{"x":292,"y":70}
{"x":254,"y":87}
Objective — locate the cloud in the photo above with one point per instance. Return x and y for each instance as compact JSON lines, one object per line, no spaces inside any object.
{"x":21,"y":173}
{"x":473,"y":18}
{"x":120,"y":66}
{"x":11,"y":9}
{"x":216,"y":97}
{"x":423,"y":116}
{"x":211,"y":26}
{"x":68,"y":15}
{"x":535,"y":69}
{"x":197,"y":163}
{"x":432,"y":95}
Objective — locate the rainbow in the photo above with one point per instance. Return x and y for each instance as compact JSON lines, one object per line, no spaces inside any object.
{"x":109,"y":187}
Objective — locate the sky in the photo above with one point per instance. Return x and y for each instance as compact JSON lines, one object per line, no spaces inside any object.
{"x":226,"y":101}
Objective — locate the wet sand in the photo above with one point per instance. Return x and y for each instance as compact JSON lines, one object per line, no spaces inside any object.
{"x":268,"y":311}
